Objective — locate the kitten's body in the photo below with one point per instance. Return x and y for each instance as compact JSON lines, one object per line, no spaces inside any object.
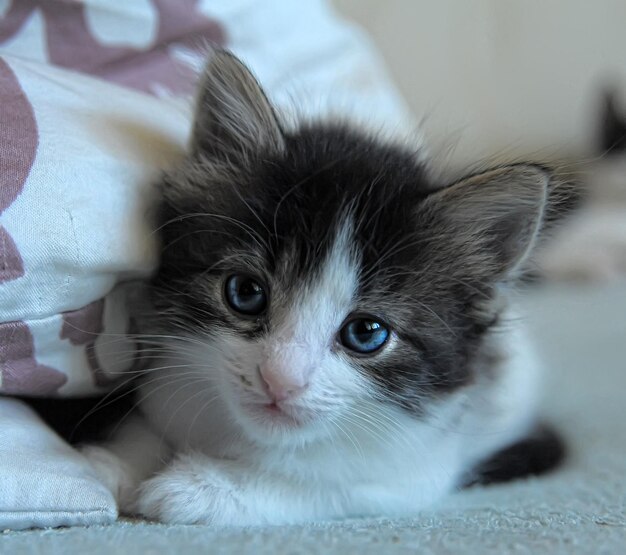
{"x":283,"y":413}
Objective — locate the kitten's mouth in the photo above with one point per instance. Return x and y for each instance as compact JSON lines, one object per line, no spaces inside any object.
{"x":273,"y":408}
{"x":274,"y":413}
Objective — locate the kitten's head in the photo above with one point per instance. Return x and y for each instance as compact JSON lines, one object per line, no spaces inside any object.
{"x":319,"y":275}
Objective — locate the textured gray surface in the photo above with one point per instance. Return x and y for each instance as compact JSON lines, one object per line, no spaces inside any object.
{"x":581,"y":333}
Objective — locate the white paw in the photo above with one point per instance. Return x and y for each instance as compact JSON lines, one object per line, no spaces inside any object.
{"x":194,"y":490}
{"x":113,"y":473}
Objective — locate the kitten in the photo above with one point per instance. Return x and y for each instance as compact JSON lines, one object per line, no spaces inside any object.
{"x":334,"y":327}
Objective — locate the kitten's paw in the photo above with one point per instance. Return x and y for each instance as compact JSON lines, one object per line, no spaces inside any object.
{"x":114,"y":473}
{"x":194,"y":490}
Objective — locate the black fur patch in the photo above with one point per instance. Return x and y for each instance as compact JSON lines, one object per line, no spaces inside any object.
{"x":540,"y":452}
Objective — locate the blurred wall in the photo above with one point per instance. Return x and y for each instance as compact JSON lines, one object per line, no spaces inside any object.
{"x":512,"y":76}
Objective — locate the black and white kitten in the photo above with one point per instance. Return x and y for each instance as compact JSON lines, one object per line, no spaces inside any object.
{"x":335,"y":325}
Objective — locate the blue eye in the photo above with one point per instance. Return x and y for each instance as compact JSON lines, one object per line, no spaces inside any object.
{"x":245,"y":295}
{"x":364,"y":335}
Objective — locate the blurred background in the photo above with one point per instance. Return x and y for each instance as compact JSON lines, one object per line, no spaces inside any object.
{"x":520,"y":76}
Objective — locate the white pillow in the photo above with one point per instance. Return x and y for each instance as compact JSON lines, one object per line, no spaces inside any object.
{"x":77,"y":157}
{"x":44,"y":481}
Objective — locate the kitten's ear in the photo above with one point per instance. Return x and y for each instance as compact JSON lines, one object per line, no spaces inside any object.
{"x":233,"y":115}
{"x":491,"y":220}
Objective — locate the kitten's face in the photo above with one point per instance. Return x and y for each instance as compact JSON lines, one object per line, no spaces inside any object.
{"x":320,"y":277}
{"x":288,"y":347}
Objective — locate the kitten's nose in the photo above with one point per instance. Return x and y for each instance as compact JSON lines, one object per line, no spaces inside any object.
{"x":280,"y":385}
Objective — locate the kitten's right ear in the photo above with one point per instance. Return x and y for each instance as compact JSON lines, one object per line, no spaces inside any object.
{"x":488,"y":223}
{"x":233,"y":115}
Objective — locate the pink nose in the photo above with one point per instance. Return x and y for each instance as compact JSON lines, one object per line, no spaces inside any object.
{"x":281,"y":386}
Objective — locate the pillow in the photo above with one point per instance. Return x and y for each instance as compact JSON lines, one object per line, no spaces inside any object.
{"x":44,"y":481}
{"x":77,"y":156}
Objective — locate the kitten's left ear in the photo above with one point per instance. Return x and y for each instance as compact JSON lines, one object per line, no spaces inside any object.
{"x":233,"y":115}
{"x":489,"y":222}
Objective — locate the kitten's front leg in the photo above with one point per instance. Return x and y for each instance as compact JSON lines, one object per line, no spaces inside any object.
{"x":197,"y":489}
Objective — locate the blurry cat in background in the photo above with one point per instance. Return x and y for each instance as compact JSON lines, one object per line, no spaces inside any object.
{"x":590,"y":245}
{"x":332,"y":326}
